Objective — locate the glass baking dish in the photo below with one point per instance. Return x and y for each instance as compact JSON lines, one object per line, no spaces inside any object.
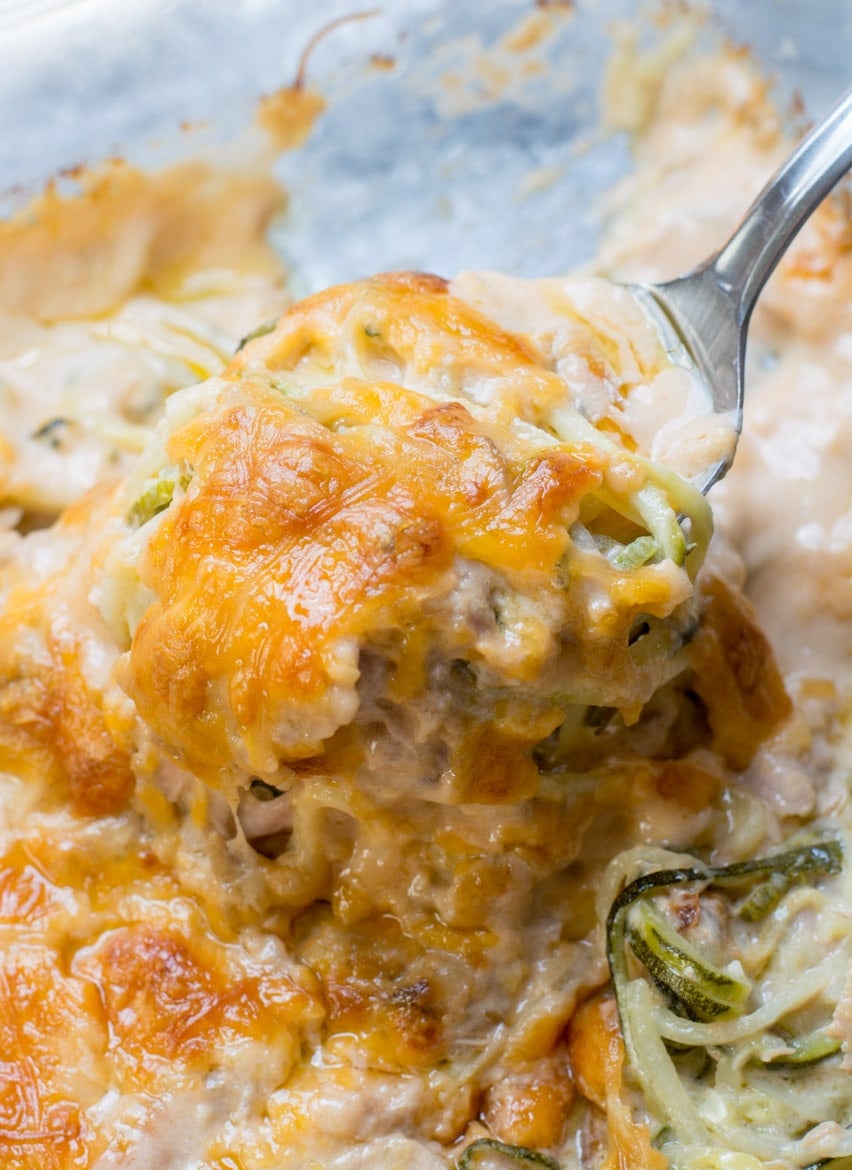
{"x":450,"y":140}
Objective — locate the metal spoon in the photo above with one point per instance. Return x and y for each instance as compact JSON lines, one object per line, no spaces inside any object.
{"x":703,"y":317}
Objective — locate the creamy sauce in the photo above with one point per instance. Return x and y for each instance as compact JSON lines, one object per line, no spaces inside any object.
{"x":153,"y":282}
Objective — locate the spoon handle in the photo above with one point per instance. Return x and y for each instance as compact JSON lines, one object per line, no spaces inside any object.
{"x":748,"y":259}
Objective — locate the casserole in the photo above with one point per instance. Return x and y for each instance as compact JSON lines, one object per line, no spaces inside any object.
{"x":385,"y":780}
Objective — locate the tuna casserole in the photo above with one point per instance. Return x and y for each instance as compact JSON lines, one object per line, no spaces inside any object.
{"x":395,"y":772}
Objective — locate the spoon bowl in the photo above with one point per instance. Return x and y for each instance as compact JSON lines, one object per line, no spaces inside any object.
{"x":703,"y":317}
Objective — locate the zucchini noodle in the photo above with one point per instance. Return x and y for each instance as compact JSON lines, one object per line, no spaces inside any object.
{"x":663,"y":501}
{"x":748,"y":1101}
{"x":699,"y":1034}
{"x":170,"y":333}
{"x":653,"y":498}
{"x":505,"y":1152}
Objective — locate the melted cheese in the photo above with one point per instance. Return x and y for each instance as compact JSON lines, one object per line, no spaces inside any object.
{"x":298,"y":543}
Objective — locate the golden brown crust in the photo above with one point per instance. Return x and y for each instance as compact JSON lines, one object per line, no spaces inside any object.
{"x":405,"y":318}
{"x":312,"y":521}
{"x":93,"y":765}
{"x":128,"y":230}
{"x":171,"y":1004}
{"x":530,"y":1106}
{"x":596,"y":1051}
{"x":736,"y":674}
{"x":51,"y":719}
{"x":46,"y":1023}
